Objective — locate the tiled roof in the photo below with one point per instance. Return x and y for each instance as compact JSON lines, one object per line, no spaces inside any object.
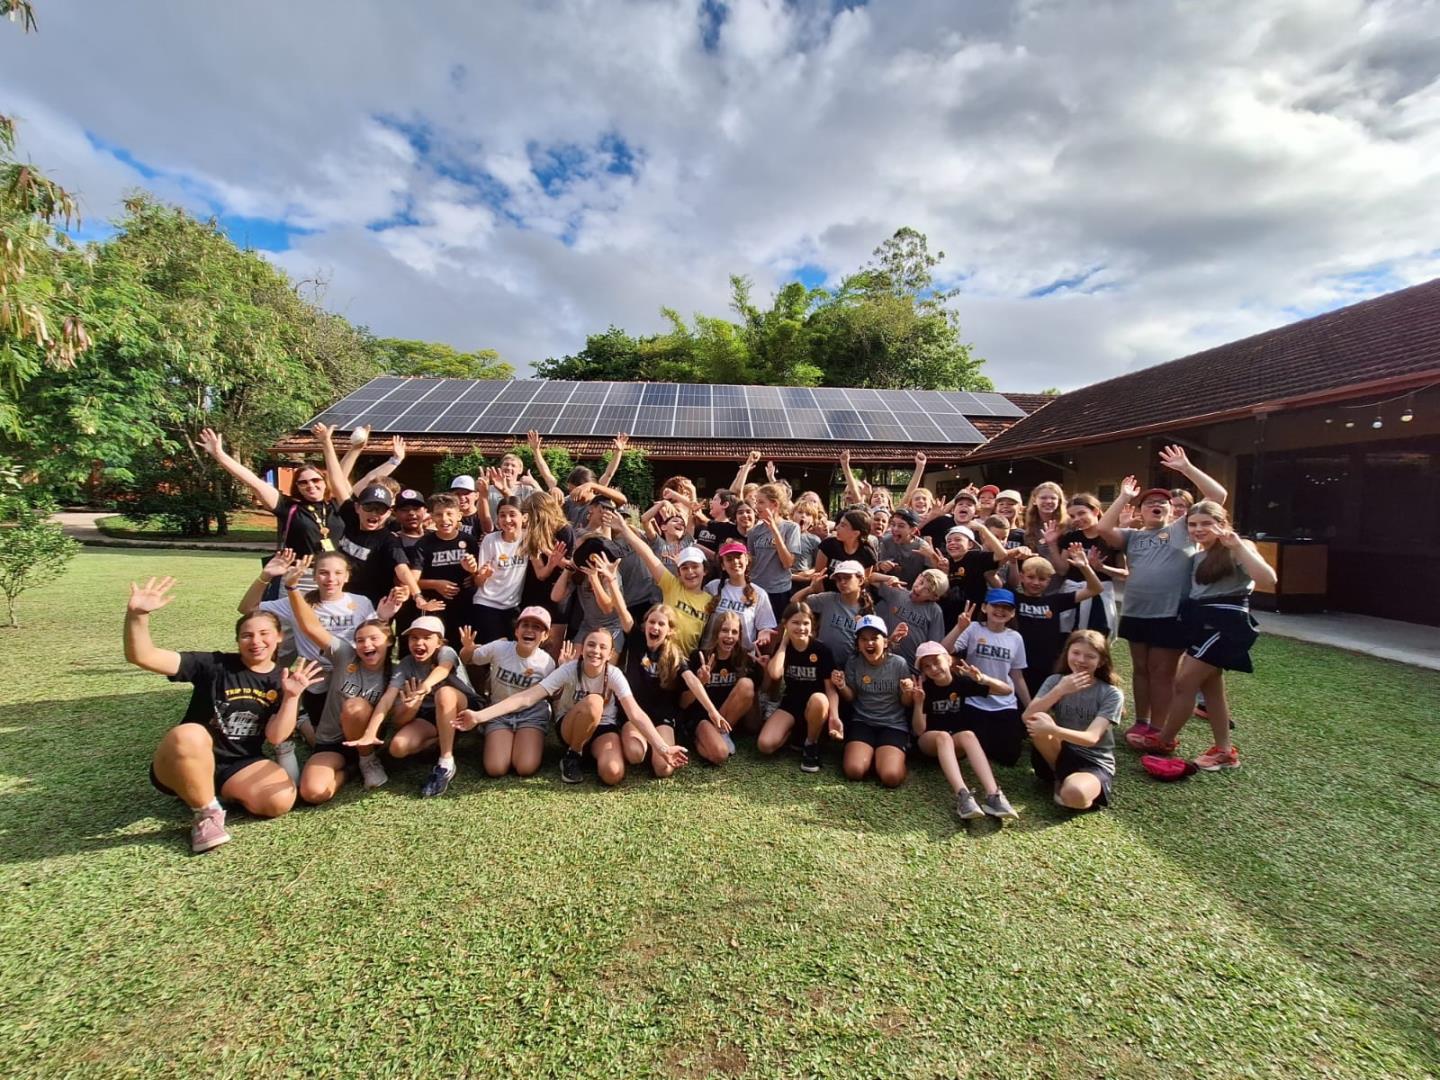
{"x":1390,"y":342}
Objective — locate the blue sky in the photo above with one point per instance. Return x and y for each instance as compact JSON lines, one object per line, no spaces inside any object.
{"x":1112,"y":185}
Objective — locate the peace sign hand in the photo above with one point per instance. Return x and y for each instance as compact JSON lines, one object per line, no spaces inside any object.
{"x":151,"y":596}
{"x":703,"y":671}
{"x":966,"y":617}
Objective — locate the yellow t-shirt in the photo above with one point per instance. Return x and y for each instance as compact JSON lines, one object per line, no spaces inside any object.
{"x":690,"y":607}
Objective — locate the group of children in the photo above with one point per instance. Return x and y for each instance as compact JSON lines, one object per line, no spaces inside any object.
{"x":957,"y":627}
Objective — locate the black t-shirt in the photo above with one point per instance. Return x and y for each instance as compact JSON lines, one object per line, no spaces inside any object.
{"x":470,"y":527}
{"x":373,"y":556}
{"x":938,"y":527}
{"x":711,"y":534}
{"x":232,"y":702}
{"x":807,"y":671}
{"x":1015,"y":538}
{"x":1037,"y":618}
{"x":945,"y":702}
{"x":438,"y":559}
{"x":536,"y":589}
{"x":598,"y":545}
{"x":307,"y":528}
{"x":724,"y":674}
{"x":1075,"y":536}
{"x":642,"y":669}
{"x":834,"y":550}
{"x":967,"y":583}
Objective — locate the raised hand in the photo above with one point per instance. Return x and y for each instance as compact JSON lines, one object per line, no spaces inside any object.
{"x":845,"y":459}
{"x":966,"y":617}
{"x":151,"y":596}
{"x":969,"y":671}
{"x":920,"y":460}
{"x":612,"y":521}
{"x":532,"y":437}
{"x":302,"y":675}
{"x":323,"y":432}
{"x":556,"y":557}
{"x":278,"y":563}
{"x":1075,"y":682}
{"x":568,"y":652}
{"x":1175,"y":459}
{"x":360,"y":436}
{"x":622,"y":442}
{"x":770,"y":471}
{"x":397,"y":448}
{"x":703,"y":672}
{"x":1227,"y":536}
{"x":900,"y":633}
{"x":297,"y":571}
{"x":1050,"y":533}
{"x":467,"y":641}
{"x":753,"y":458}
{"x":413,"y":692}
{"x":1075,"y":555}
{"x":392,"y":603}
{"x":1130,"y":488}
{"x":1096,"y":555}
{"x":212,"y":442}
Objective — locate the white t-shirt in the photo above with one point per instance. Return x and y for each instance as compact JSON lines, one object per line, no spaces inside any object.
{"x":341,"y":617}
{"x":755,"y":618}
{"x":510,"y":673}
{"x":996,"y":654}
{"x":571,"y":684}
{"x":502,"y":590}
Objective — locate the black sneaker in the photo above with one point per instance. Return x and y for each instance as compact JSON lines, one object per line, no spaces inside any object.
{"x":810,"y":757}
{"x":436,"y":783}
{"x":570,"y":767}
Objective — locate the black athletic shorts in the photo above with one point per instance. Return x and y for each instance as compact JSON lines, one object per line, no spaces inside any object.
{"x":1070,"y":762}
{"x":874,"y":735}
{"x":948,"y":725}
{"x":999,"y":732}
{"x":225,"y":768}
{"x":351,"y":754}
{"x":603,"y":729}
{"x":1220,"y":632}
{"x":1162,"y":633}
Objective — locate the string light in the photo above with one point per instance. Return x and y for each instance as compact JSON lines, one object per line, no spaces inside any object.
{"x":1409,"y":413}
{"x":1377,"y":423}
{"x":1349,"y":423}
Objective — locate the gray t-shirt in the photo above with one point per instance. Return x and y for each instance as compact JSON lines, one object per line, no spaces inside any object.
{"x":1159,"y":562}
{"x":592,"y":617}
{"x":342,"y":617}
{"x":569,"y":684}
{"x":805,"y":554}
{"x":1078,"y":711}
{"x":1237,"y":582}
{"x":835,"y":624}
{"x":926,"y":621}
{"x":348,"y":679}
{"x":909,"y":559}
{"x":877,"y":690}
{"x":510,"y":673}
{"x":410,"y":668}
{"x":521,"y":492}
{"x":766,"y":570}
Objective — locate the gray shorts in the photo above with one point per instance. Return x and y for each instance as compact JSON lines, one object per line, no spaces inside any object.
{"x":513,"y":723}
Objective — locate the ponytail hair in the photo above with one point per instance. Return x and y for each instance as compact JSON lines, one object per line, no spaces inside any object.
{"x":1218,"y":561}
{"x":389,"y":632}
{"x":777,"y":495}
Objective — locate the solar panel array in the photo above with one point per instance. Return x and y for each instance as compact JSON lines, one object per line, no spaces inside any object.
{"x":415,"y":406}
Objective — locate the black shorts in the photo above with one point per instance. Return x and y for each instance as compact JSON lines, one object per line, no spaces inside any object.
{"x":1161,"y":633}
{"x":999,"y":731}
{"x":349,"y":753}
{"x":1220,"y":634}
{"x":874,"y":735}
{"x":948,"y":724}
{"x":1069,"y":762}
{"x":313,"y":705}
{"x":603,"y":729}
{"x":491,"y":624}
{"x":779,"y":600}
{"x":225,"y":768}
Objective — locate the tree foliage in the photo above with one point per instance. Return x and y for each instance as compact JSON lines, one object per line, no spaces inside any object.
{"x":34,"y":550}
{"x":884,"y":326}
{"x":401,"y":357}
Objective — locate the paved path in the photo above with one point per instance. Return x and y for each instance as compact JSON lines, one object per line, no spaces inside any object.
{"x":1409,"y":643}
{"x":81,"y":525}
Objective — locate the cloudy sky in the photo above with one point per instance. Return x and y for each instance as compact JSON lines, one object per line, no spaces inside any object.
{"x":1115,"y":184}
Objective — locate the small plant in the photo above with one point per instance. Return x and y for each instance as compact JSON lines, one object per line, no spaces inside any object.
{"x":34,"y":550}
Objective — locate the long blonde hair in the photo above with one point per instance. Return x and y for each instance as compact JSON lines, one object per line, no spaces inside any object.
{"x":1034,"y":522}
{"x":671,"y":658}
{"x":1219,"y":560}
{"x":547,"y":518}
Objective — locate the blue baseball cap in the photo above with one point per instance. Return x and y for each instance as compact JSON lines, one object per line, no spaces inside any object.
{"x":1000,"y":596}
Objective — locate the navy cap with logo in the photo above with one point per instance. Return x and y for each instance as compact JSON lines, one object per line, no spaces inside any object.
{"x":410,"y":497}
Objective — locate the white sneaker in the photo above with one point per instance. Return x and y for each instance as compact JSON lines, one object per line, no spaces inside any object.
{"x":372,"y":772}
{"x":286,"y":759}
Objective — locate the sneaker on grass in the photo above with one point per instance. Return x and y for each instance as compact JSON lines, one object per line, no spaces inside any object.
{"x":1215,"y":759}
{"x":207,"y":832}
{"x":570,"y":770}
{"x":997,"y":806}
{"x":1152,"y":743}
{"x":810,"y":757}
{"x":1140,"y":727}
{"x":966,"y":808}
{"x":372,"y":772}
{"x":436,"y":783}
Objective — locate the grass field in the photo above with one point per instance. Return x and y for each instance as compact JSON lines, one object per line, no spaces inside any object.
{"x":247,"y":526}
{"x":752,"y":921}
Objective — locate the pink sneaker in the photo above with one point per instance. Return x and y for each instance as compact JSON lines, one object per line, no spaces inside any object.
{"x":1137,"y":729}
{"x":208,"y":831}
{"x":1215,"y":759}
{"x":1152,"y":743}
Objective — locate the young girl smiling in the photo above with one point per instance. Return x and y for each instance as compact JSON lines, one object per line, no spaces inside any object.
{"x":1072,"y":723}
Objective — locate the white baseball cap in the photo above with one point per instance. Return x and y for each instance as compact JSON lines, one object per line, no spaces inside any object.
{"x":426,"y":624}
{"x":962,"y":530}
{"x":1011,"y":494}
{"x":871,"y":622}
{"x":689,"y":555}
{"x":847,"y":566}
{"x":463,"y":483}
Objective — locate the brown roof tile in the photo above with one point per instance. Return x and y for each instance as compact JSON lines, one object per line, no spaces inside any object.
{"x":1390,"y":341}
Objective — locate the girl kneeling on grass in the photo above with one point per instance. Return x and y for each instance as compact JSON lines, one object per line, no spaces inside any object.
{"x":878,"y":685}
{"x":939,"y":728}
{"x":518,"y":740}
{"x":1072,"y":723}
{"x":358,"y":676}
{"x":589,"y":690}
{"x":726,"y":673}
{"x":431,"y":686}
{"x":806,"y":666}
{"x":240,"y":700}
{"x":1220,"y":631}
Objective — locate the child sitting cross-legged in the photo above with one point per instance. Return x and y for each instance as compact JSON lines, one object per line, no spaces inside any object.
{"x":1072,"y":722}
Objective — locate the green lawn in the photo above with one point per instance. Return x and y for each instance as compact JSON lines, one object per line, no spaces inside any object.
{"x":246,"y":526}
{"x":1277,"y":921}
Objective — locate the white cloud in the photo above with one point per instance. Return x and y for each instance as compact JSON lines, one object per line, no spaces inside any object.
{"x":1213,"y":170}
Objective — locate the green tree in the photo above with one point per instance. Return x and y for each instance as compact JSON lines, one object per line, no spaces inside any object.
{"x":432,"y":358}
{"x":34,"y":550}
{"x":612,"y":356}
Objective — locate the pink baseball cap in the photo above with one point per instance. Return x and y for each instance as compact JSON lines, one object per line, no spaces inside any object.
{"x":930,"y":648}
{"x":733,"y":547}
{"x":535,"y":613}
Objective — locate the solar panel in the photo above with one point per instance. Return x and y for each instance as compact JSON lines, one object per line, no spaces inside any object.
{"x":666,"y":410}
